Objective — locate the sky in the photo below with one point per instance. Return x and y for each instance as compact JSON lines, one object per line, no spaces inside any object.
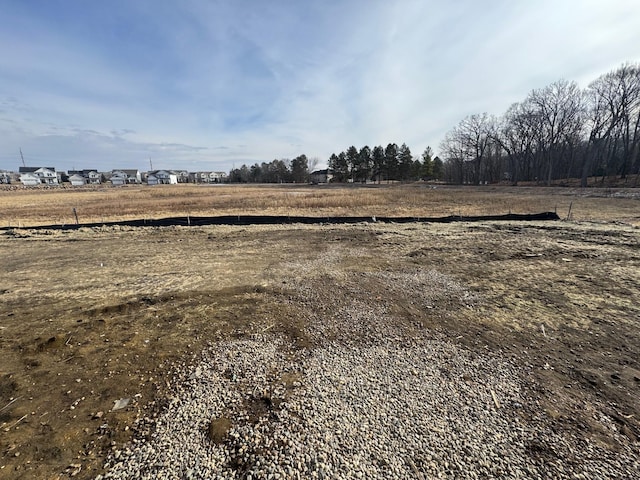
{"x":211,"y":84}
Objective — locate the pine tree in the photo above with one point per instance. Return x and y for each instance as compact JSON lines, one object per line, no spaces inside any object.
{"x":405,"y":162}
{"x":378,"y":161}
{"x":426,"y":170}
{"x":391,"y":162}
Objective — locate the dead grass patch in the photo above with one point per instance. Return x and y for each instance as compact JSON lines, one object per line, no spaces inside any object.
{"x":26,"y":207}
{"x":92,"y":316}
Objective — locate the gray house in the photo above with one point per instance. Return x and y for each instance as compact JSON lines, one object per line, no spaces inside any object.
{"x":91,"y":176}
{"x":121,"y":177}
{"x":321,"y":176}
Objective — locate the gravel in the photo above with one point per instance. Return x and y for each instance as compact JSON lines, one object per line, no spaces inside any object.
{"x":369,"y":399}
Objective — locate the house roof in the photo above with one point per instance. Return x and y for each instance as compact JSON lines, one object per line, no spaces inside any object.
{"x":33,"y":169}
{"x":130,"y":172}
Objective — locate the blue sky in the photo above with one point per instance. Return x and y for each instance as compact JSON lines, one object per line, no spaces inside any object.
{"x":206,"y":84}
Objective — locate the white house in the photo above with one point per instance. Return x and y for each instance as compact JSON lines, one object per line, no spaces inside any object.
{"x":208,"y":177}
{"x":47,"y":176}
{"x":30,"y":179}
{"x":166,"y":177}
{"x":94,"y":177}
{"x":152,"y":179}
{"x":77,"y":180}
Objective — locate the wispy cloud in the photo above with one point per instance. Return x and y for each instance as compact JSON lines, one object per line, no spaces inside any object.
{"x":201,"y":83}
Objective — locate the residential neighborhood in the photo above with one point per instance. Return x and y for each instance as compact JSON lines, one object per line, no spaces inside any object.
{"x":38,"y":176}
{"x":49,"y":176}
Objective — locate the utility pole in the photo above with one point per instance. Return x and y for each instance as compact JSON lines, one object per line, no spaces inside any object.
{"x":150,"y":165}
{"x":22,"y":157}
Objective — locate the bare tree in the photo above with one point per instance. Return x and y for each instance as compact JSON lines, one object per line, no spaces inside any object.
{"x":468,"y":143}
{"x":602,"y":117}
{"x":455,"y":154}
{"x":556,"y":132}
{"x":613,"y":123}
{"x":627,"y":82}
{"x":558,"y":109}
{"x":313,"y":163}
{"x":516,"y":134}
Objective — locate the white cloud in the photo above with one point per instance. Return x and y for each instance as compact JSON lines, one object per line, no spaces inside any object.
{"x":217,"y":83}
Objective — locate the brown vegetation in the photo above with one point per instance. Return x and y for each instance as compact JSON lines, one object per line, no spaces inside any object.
{"x":29,"y":207}
{"x":96,"y":315}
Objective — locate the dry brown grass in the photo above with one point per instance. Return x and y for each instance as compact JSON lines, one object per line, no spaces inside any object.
{"x":30,"y":207}
{"x":94,"y":315}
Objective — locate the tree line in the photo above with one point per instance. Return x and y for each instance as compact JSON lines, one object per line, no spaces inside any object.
{"x":384,"y":164}
{"x":276,"y":171}
{"x":557,"y":132}
{"x":353,"y":165}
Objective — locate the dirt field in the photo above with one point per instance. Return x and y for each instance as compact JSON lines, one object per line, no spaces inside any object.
{"x":92,"y":316}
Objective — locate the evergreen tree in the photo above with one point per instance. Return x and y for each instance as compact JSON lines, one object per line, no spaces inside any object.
{"x":255,"y":174}
{"x":352,"y":161}
{"x":391,"y":162}
{"x":405,"y":162}
{"x":340,"y":167}
{"x":364,"y":165}
{"x":426,"y":170}
{"x":300,"y":169}
{"x":438,"y":169}
{"x":378,"y":161}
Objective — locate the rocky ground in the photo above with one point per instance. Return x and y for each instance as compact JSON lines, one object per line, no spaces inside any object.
{"x":496,"y":350}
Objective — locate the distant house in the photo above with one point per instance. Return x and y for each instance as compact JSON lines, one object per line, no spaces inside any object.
{"x":46,"y":175}
{"x":77,"y":180}
{"x":181,"y":175}
{"x":30,"y":179}
{"x":122,"y":177}
{"x":321,"y":176}
{"x":91,"y":176}
{"x":5,"y":177}
{"x":208,"y":177}
{"x":94,"y":177}
{"x":152,"y":179}
{"x":164,"y":177}
{"x":118,"y":178}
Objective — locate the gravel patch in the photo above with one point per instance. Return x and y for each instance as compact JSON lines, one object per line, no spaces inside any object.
{"x":371,"y":398}
{"x":390,"y":410}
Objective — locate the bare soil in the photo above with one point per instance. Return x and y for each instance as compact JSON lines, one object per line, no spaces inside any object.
{"x":92,"y":316}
